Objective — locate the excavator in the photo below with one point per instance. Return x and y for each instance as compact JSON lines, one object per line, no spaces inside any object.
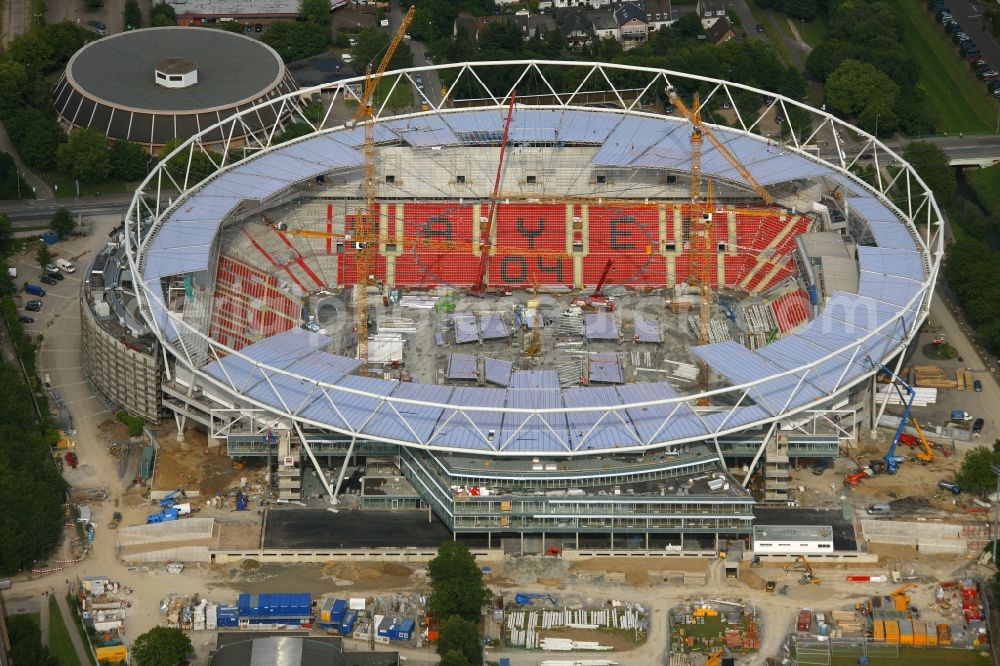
{"x":715,"y":659}
{"x":900,"y":599}
{"x":808,"y":578}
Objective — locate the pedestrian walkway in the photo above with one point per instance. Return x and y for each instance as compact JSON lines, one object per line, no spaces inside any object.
{"x":74,"y":634}
{"x":42,"y":190}
{"x":43,"y":618}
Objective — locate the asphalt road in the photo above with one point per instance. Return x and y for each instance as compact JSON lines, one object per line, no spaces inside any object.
{"x":318,"y":528}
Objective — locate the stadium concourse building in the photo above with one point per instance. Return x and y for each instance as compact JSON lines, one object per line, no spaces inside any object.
{"x":540,"y":412}
{"x":154,"y":85}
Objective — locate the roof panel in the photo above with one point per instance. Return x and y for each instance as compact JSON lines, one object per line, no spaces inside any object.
{"x":601,"y":428}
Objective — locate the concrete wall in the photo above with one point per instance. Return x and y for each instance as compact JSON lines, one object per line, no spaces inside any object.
{"x":930,"y":538}
{"x":176,"y":530}
{"x":182,"y":554}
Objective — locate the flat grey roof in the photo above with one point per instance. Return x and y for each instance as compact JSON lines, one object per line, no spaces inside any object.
{"x":790,"y":532}
{"x":119,"y":70}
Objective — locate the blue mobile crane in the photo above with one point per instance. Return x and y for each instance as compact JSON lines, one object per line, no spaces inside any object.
{"x":891,"y":459}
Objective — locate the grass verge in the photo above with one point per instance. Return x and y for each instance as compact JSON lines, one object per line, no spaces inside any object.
{"x":60,"y":643}
{"x":813,"y":31}
{"x":922,"y":657}
{"x":986,"y":184}
{"x":79,"y":628}
{"x":958,"y":101}
{"x":65,"y":186}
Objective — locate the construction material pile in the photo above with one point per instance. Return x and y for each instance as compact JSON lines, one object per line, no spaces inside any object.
{"x":523,"y":626}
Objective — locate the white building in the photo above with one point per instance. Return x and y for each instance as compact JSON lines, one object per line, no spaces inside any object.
{"x":792,"y":539}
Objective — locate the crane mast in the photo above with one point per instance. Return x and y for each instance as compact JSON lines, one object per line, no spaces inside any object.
{"x":366,"y":226}
{"x":700,"y":234}
{"x":485,"y":244}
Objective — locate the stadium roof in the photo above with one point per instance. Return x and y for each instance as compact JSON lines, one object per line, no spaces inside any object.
{"x":533,"y":415}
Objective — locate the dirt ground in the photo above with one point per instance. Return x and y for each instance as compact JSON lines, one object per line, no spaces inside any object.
{"x":238,"y":535}
{"x":192,"y":464}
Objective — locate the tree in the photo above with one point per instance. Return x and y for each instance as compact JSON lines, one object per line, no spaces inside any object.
{"x":132,"y":16}
{"x":162,"y":15}
{"x":455,"y":658}
{"x":43,"y":256}
{"x":85,"y":156}
{"x":32,"y":51}
{"x":316,"y":11}
{"x":161,"y":646}
{"x":12,"y":186}
{"x":457,"y":583}
{"x":295,"y":41}
{"x":26,"y":642}
{"x":129,"y":161}
{"x":370,"y":47}
{"x":13,"y":84}
{"x":6,"y":236}
{"x":931,"y":164}
{"x":201,"y":165}
{"x":976,"y":474}
{"x":36,"y":135}
{"x":460,"y":638}
{"x":855,"y":85}
{"x":62,"y":223}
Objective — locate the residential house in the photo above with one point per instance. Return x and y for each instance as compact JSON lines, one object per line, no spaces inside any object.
{"x":535,"y":26}
{"x":604,"y":25}
{"x":473,"y":25}
{"x":574,"y":25}
{"x":593,"y":4}
{"x":660,"y":13}
{"x":711,"y":9}
{"x":720,"y":31}
{"x":633,"y":28}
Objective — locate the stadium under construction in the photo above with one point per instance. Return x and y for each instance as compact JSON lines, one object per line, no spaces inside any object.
{"x":533,"y":313}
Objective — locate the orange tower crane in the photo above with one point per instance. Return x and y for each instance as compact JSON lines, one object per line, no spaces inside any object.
{"x":366,"y":226}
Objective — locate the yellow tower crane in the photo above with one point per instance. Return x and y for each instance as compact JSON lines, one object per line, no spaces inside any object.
{"x":702,"y":250}
{"x":366,"y":227}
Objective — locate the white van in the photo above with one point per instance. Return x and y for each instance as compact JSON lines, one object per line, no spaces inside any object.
{"x":65,"y":265}
{"x":346,"y":57}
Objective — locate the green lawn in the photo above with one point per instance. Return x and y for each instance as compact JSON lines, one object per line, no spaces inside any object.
{"x":922,"y":657}
{"x":813,"y":31}
{"x":986,"y":184}
{"x":401,"y":97}
{"x":59,"y":640}
{"x":958,"y":101}
{"x":65,"y":186}
{"x":79,"y":628}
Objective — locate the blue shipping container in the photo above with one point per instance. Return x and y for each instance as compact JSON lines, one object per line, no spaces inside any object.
{"x":402,"y":629}
{"x":298,"y":605}
{"x":347,"y":626}
{"x":332,"y":613}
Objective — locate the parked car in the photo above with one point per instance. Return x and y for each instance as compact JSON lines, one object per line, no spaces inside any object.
{"x":953,"y":488}
{"x":33,"y":306}
{"x":977,"y":385}
{"x":972,"y":54}
{"x":977,"y":426}
{"x":759,"y":28}
{"x":978,"y":64}
{"x":993,"y":86}
{"x":51,"y":268}
{"x":56,"y":276}
{"x":46,"y":279}
{"x":26,"y":319}
{"x":991,"y":75}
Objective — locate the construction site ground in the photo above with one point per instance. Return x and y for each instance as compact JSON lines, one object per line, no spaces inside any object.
{"x":59,"y":356}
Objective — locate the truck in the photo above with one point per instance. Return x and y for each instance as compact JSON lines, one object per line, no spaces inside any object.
{"x":805,"y":620}
{"x":66,"y":265}
{"x":953,"y":488}
{"x":33,"y":289}
{"x":960,"y":415}
{"x":116,"y":519}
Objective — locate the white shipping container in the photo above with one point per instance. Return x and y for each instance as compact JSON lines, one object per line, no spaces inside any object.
{"x":211,"y":617}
